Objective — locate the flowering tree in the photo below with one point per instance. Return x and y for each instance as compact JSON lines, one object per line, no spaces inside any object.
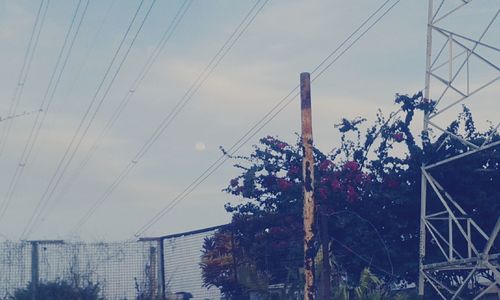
{"x":368,"y":189}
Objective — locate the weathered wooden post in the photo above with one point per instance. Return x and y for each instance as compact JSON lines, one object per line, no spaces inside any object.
{"x":308,"y":185}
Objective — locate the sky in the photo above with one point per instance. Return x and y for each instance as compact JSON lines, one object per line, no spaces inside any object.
{"x":285,"y":39}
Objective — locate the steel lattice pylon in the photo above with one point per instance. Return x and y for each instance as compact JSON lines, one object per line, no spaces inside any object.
{"x":451,"y":55}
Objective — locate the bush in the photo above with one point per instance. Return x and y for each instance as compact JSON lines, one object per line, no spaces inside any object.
{"x":59,"y":290}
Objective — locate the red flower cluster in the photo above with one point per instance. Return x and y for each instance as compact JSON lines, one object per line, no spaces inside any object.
{"x":323,"y":193}
{"x":398,"y":137}
{"x":325,"y":165}
{"x":351,"y":166}
{"x":336,"y":185}
{"x":271,"y":141}
{"x":269,"y":181}
{"x":281,"y":145}
{"x":344,"y":183}
{"x":234,"y":182}
{"x":391,"y":183}
{"x":293,"y":171}
{"x":352,"y":194}
{"x":284,"y":184}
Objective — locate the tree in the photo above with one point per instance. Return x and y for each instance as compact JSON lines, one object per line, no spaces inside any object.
{"x":368,"y":188}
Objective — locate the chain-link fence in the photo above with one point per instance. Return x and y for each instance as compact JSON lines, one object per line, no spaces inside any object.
{"x":153,"y":268}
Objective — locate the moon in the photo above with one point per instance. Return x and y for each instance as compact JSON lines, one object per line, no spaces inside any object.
{"x":200,"y":146}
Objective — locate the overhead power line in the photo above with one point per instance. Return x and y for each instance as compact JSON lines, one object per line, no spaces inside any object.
{"x":183,"y":101}
{"x":324,"y":65}
{"x":48,"y":97}
{"x":92,"y":44}
{"x":24,"y":113}
{"x":25,"y":68}
{"x":88,"y":117}
{"x":166,"y":36}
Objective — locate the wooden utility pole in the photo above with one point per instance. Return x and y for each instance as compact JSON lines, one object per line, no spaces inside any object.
{"x":308,"y":185}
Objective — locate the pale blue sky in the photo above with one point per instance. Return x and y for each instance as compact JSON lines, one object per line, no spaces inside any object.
{"x":286,"y":38}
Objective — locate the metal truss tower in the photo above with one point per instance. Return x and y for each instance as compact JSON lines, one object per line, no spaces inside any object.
{"x":453,"y":53}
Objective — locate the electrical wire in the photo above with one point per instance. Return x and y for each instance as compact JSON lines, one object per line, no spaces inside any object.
{"x":92,"y":111}
{"x":282,"y":104}
{"x":391,"y":274}
{"x":24,"y":113}
{"x":166,"y":36}
{"x":25,"y":69}
{"x":94,"y":41}
{"x":89,"y":51}
{"x":47,"y":99}
{"x":188,"y":95}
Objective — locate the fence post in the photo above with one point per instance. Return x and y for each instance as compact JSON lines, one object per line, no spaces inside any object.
{"x":34,"y":269}
{"x":35,"y":263}
{"x":162,"y":269}
{"x":154,"y":273}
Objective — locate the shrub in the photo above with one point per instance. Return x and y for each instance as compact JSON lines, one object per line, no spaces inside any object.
{"x":59,"y":290}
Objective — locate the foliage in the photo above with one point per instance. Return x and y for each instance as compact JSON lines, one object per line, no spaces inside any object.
{"x":368,"y":188}
{"x":368,"y":287}
{"x":59,"y":290}
{"x":226,"y":266}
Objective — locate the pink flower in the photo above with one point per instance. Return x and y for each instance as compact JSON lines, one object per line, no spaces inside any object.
{"x":269,"y":181}
{"x":294,"y":171}
{"x":391,"y":183}
{"x":323,"y":193}
{"x":234,"y":182}
{"x":359,"y":178}
{"x":281,"y":145}
{"x":336,"y":185}
{"x":284,"y":184}
{"x":324,"y":180}
{"x":352,"y":194}
{"x":325,"y":165}
{"x":351,"y":166}
{"x":275,"y":230}
{"x":398,"y":137}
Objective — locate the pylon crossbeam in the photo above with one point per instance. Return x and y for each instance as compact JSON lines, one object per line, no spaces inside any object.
{"x":460,"y":283}
{"x":451,"y":33}
{"x":447,"y":62}
{"x":470,"y":51}
{"x":431,"y":281}
{"x":433,"y":231}
{"x":450,"y":212}
{"x":455,"y":136}
{"x":440,"y":284}
{"x":492,"y":238}
{"x":449,"y":85}
{"x":462,"y":286}
{"x":464,"y":98}
{"x":462,"y":155}
{"x":460,"y":263}
{"x":444,"y":16}
{"x":490,"y":287}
